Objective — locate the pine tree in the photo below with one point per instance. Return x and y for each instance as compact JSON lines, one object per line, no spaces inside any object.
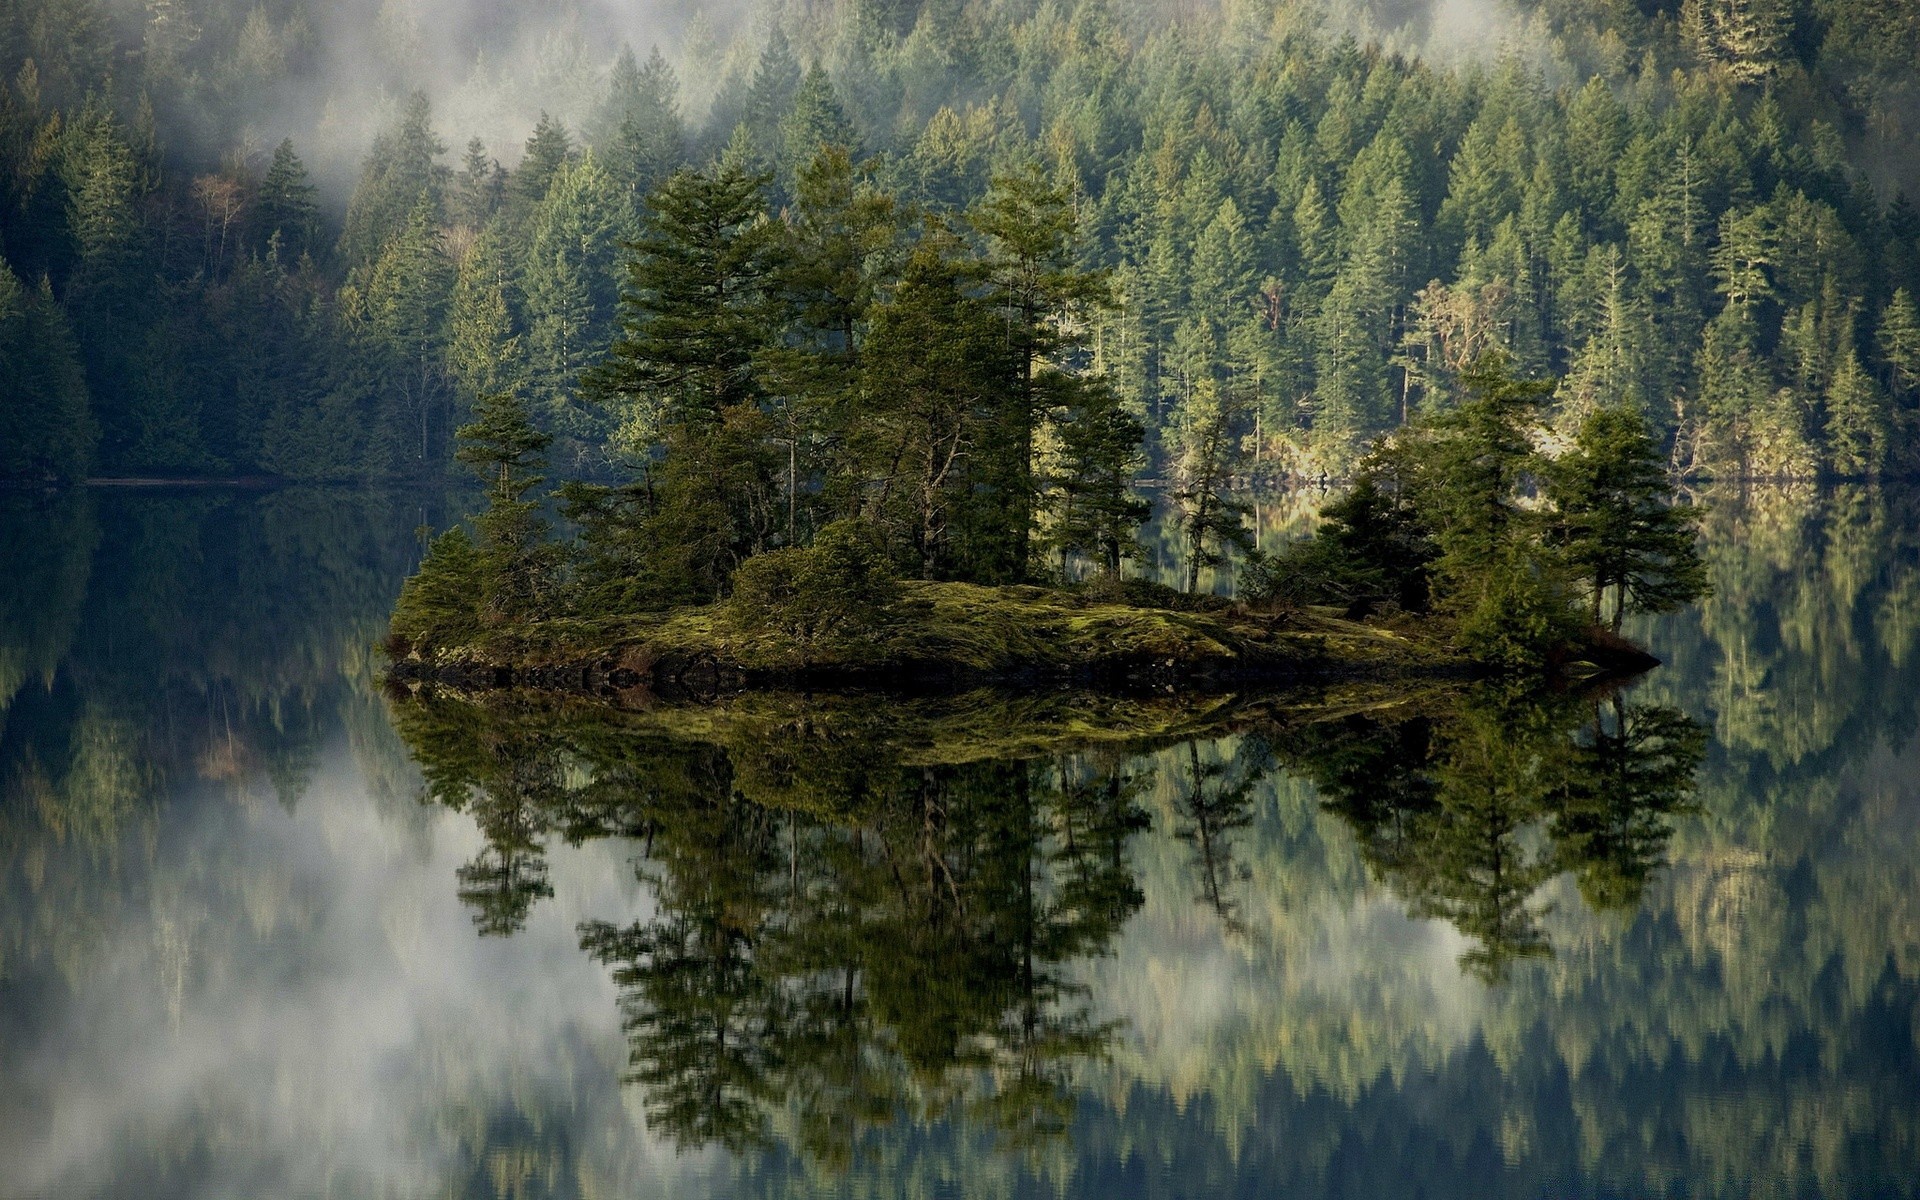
{"x":479,"y":190}
{"x":1211,"y":520}
{"x":405,"y":302}
{"x":649,"y":143}
{"x":46,"y":430}
{"x":815,"y":119}
{"x":1031,"y":235}
{"x":936,"y":384}
{"x":569,"y":282}
{"x":695,"y":311}
{"x":1898,"y":340}
{"x":548,"y":151}
{"x":776,"y":80}
{"x":483,"y":351}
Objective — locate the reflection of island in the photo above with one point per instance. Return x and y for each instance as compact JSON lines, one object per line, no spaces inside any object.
{"x":1450,"y":812}
{"x":857,"y":921}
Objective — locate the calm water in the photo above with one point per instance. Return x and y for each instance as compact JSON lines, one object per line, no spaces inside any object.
{"x":267,"y":932}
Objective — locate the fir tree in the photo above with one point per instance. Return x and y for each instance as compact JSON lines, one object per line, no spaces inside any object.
{"x":289,"y":213}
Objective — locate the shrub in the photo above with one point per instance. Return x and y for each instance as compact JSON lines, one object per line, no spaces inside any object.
{"x":1520,"y":619}
{"x":839,"y":587}
{"x":440,"y":605}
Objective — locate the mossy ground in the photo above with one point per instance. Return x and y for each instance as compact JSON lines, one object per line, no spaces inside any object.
{"x":968,"y":632}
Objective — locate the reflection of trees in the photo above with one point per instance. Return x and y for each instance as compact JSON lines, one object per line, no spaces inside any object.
{"x":1215,"y":803}
{"x":839,"y":938}
{"x":1468,"y":817}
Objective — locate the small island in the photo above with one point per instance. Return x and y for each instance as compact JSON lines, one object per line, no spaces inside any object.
{"x":869,"y":448}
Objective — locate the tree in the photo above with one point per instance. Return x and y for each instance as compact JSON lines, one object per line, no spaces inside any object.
{"x":401,"y":173}
{"x":548,"y":151}
{"x":515,"y":557}
{"x":569,"y":280}
{"x":288,"y":209}
{"x":815,"y":120}
{"x":1031,"y":234}
{"x":479,"y":189}
{"x":648,"y":143}
{"x":46,"y":430}
{"x":1211,"y":521}
{"x":404,"y":301}
{"x":1096,"y":510}
{"x":1614,"y":522}
{"x":935,"y":383}
{"x":694,"y":314}
{"x":1899,"y":344}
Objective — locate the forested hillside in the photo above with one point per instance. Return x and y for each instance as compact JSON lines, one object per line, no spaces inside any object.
{"x":1313,"y":217}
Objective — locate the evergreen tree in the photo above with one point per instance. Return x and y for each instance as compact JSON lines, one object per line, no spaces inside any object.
{"x":776,"y":81}
{"x":1211,"y":520}
{"x":694,"y":313}
{"x":569,"y":281}
{"x":1898,"y":340}
{"x":815,"y":120}
{"x":936,"y":387}
{"x":548,"y":151}
{"x":1031,"y":237}
{"x":1096,"y":510}
{"x":46,"y":430}
{"x":1614,"y":524}
{"x":401,"y":173}
{"x":289,"y":212}
{"x":649,"y":143}
{"x":515,"y":556}
{"x":479,"y":189}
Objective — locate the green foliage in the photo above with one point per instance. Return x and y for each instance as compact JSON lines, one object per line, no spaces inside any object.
{"x":1614,"y":522}
{"x":439,"y":605}
{"x":839,"y":588}
{"x":46,"y":430}
{"x":516,"y":557}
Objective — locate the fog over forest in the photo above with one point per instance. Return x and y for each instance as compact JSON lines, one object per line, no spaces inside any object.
{"x":1312,"y":216}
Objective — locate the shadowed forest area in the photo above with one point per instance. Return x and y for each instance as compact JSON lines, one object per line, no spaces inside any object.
{"x":1311,"y":218}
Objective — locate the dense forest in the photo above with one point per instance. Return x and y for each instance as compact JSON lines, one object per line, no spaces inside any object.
{"x":1307,"y":220}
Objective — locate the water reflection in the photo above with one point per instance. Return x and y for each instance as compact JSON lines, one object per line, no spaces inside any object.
{"x":858,"y":921}
{"x":1030,"y":946}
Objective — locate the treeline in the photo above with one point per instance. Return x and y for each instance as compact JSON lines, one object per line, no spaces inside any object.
{"x":1309,"y":240}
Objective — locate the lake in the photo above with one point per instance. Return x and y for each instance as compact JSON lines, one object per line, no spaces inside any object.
{"x":269,"y":929}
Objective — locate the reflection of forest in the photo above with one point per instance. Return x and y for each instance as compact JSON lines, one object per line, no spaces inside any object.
{"x":846,"y":932}
{"x":150,"y":642}
{"x":1265,"y":1020}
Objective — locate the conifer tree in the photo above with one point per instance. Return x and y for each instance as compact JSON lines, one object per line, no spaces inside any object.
{"x":936,"y":386}
{"x":1097,"y":512}
{"x":1613,"y":521}
{"x":1211,"y":520}
{"x":288,"y":206}
{"x":401,"y":172}
{"x":1899,"y":344}
{"x":694,"y":314}
{"x":479,"y":189}
{"x":649,"y":142}
{"x":548,"y":151}
{"x":815,"y":119}
{"x":1031,"y":237}
{"x":515,"y":557}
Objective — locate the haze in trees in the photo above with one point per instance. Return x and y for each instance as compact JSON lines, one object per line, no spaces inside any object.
{"x":1695,"y":213}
